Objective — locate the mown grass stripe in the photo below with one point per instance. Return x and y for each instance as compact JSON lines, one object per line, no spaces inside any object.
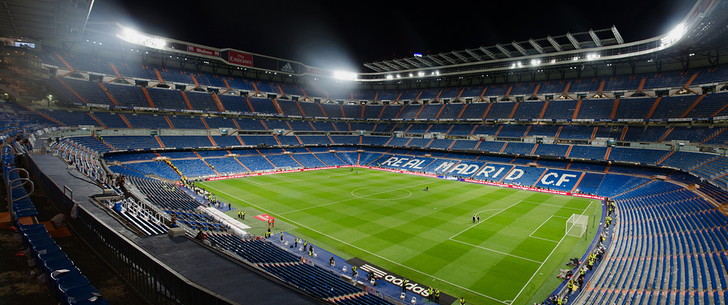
{"x":489,"y":262}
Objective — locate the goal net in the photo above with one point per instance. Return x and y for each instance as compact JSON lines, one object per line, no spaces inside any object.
{"x":576,"y":225}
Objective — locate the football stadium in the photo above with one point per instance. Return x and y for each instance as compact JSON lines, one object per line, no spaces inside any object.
{"x":576,"y":168}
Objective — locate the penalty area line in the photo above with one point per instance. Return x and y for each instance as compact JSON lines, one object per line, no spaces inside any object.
{"x":547,"y":258}
{"x":470,"y":227}
{"x":366,"y":251}
{"x":539,"y":227}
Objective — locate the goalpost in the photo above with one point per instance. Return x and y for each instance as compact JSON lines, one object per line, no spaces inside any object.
{"x":576,"y":225}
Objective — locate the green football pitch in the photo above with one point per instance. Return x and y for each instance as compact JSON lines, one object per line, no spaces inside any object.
{"x":512,"y":256}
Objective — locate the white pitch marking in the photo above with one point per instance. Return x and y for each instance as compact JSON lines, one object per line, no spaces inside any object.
{"x":364,"y":250}
{"x":547,"y":257}
{"x":348,"y":199}
{"x":545,"y":221}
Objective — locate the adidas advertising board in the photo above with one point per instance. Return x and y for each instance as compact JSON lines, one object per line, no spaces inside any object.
{"x":397,"y":280}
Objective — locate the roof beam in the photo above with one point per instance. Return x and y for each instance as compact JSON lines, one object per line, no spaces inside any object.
{"x":423,"y":61}
{"x":487,"y":52}
{"x":503,"y":50}
{"x":450,"y":60}
{"x":435,"y":59}
{"x":535,"y":45}
{"x":519,"y":48}
{"x":374,"y":67}
{"x":391,"y":65}
{"x":383,"y":67}
{"x":10,"y":18}
{"x":617,"y":35}
{"x":573,"y":41}
{"x":402,"y":63}
{"x":554,"y":43}
{"x":595,"y":38}
{"x":460,"y":56}
{"x":474,"y":55}
{"x":411,"y":62}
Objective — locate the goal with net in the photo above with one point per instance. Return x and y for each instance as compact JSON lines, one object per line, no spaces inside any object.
{"x":576,"y":225}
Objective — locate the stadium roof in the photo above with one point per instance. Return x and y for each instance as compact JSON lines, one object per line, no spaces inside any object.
{"x":255,"y":32}
{"x":702,"y":25}
{"x":541,"y":46}
{"x":44,"y":20}
{"x":371,"y":31}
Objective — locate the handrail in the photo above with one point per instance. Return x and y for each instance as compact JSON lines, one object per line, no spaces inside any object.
{"x":13,"y":185}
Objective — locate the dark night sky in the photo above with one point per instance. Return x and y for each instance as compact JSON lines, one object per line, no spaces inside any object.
{"x":322,"y":33}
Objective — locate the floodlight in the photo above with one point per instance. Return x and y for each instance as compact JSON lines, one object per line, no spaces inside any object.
{"x":592,"y":56}
{"x":135,"y":37}
{"x":674,"y":35}
{"x":535,"y":62}
{"x":345,"y":75}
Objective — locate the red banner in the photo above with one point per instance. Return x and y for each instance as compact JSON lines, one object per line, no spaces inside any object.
{"x":240,"y":58}
{"x":203,"y":51}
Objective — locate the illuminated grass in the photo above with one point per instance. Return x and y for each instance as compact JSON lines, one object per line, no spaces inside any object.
{"x":388,"y":219}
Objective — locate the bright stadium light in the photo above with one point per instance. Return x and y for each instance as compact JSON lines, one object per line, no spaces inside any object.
{"x":345,"y":75}
{"x":535,"y":62}
{"x":674,"y":35}
{"x":592,"y":56}
{"x":136,"y":37}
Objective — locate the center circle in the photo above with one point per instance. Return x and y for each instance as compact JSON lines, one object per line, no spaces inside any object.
{"x":381,"y":193}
